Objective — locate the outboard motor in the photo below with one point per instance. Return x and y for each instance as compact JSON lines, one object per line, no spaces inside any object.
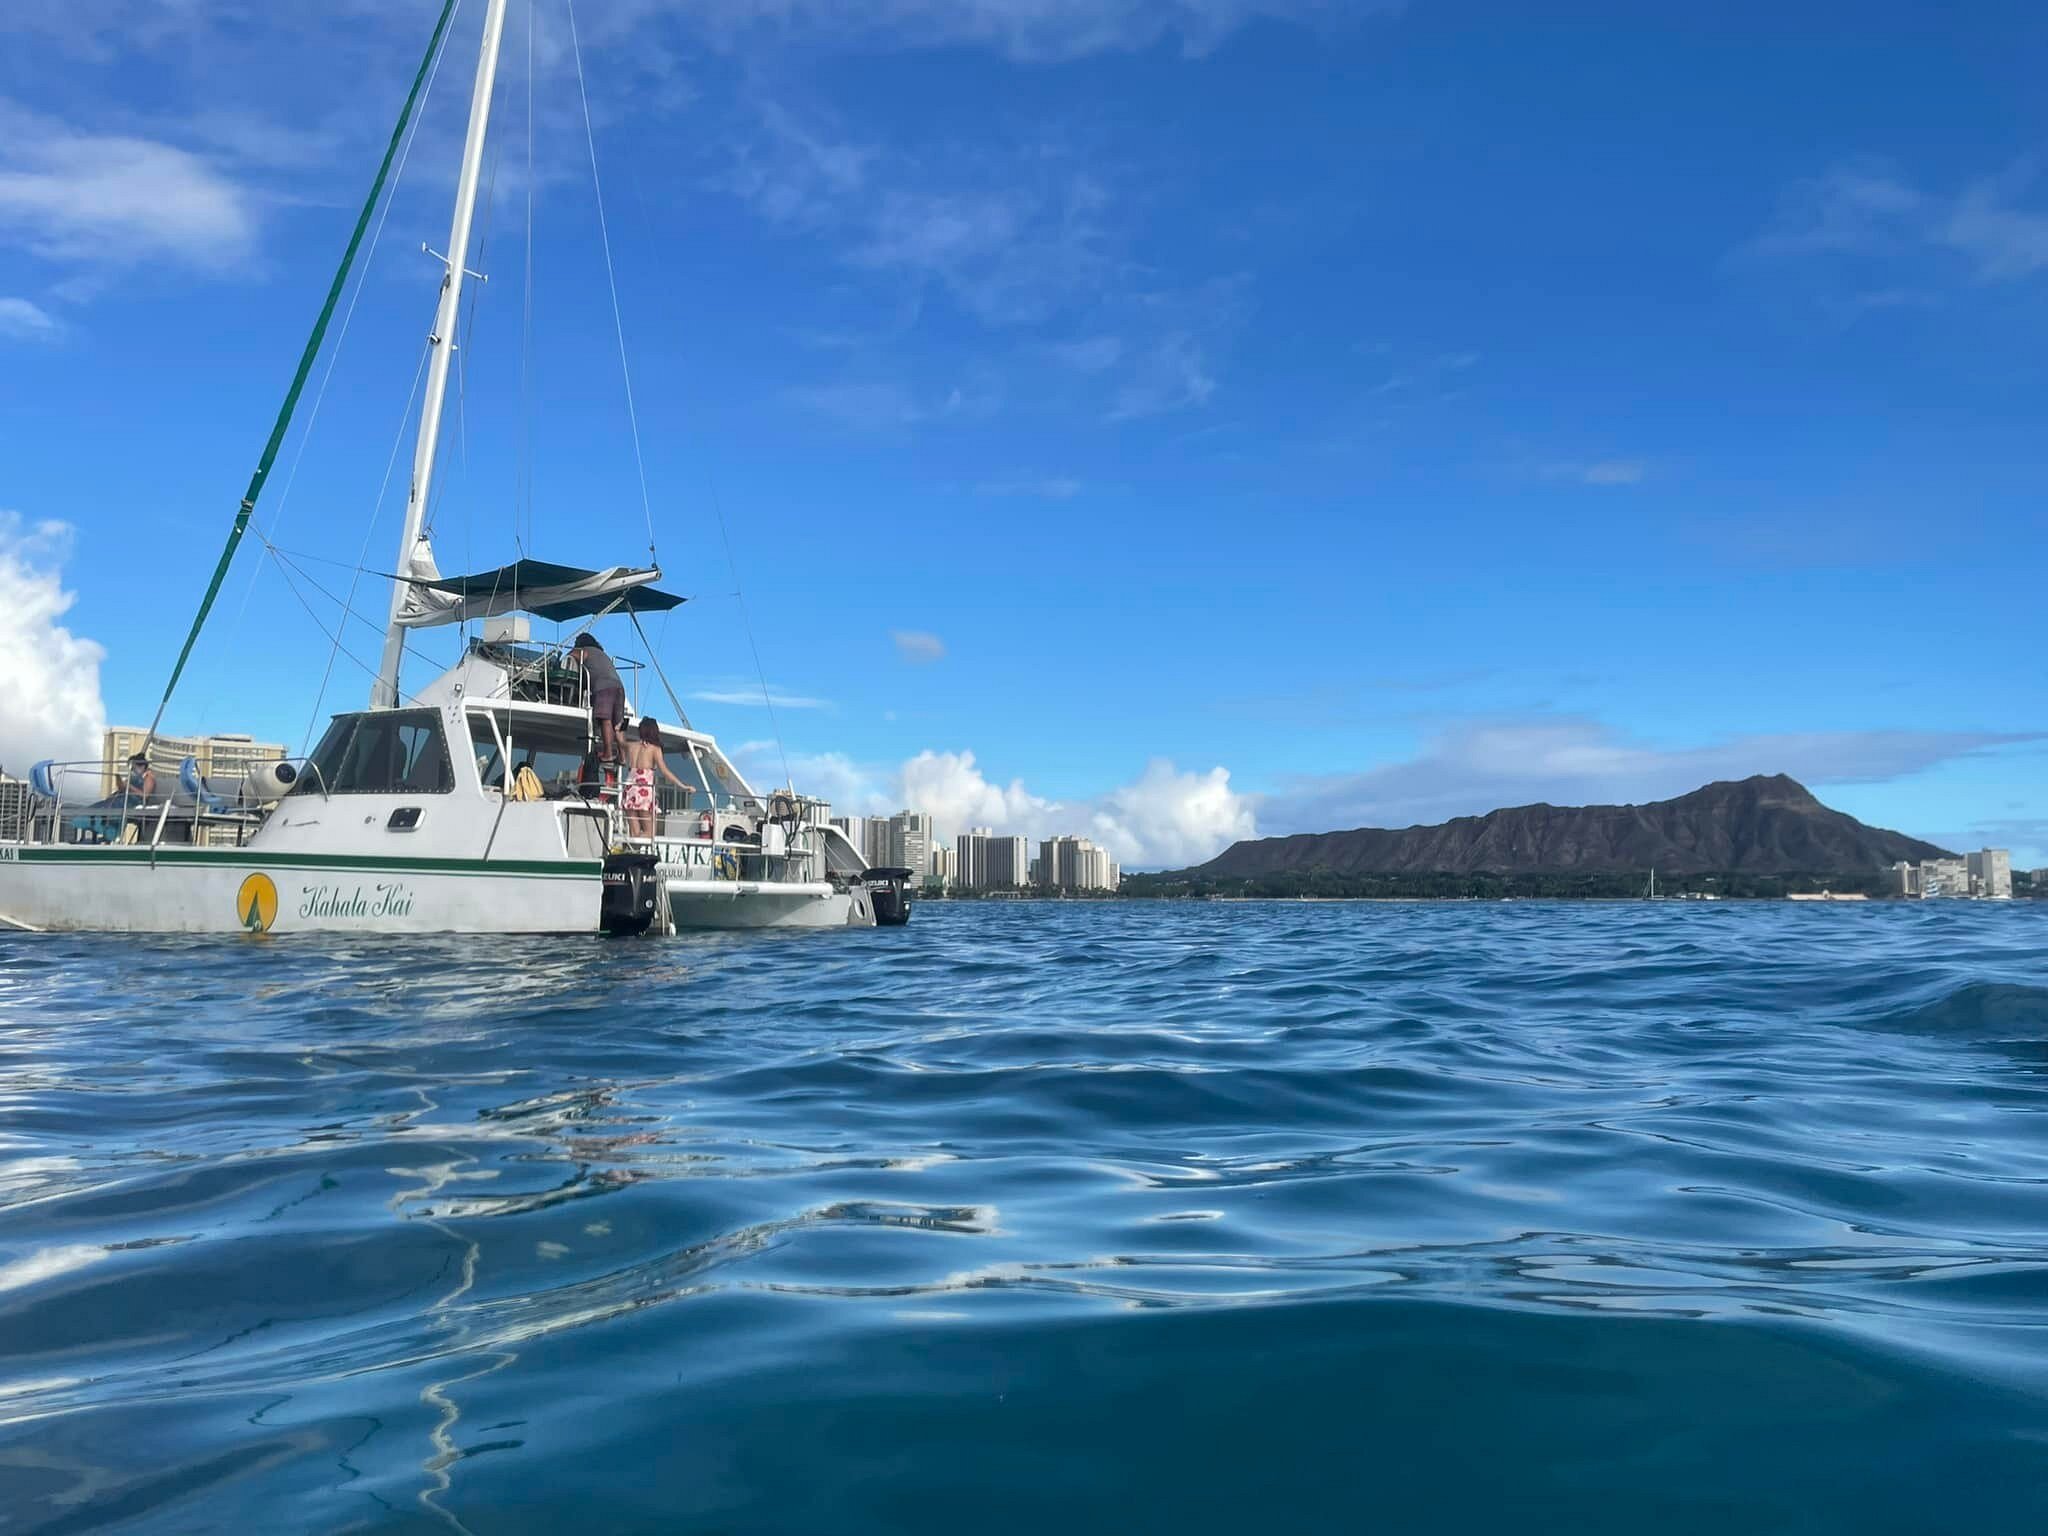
{"x":889,"y":889}
{"x":632,"y":888}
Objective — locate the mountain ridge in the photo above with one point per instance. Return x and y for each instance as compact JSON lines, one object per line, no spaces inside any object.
{"x":1764,"y":824}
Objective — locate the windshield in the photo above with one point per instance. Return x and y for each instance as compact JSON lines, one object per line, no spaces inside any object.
{"x":386,"y":752}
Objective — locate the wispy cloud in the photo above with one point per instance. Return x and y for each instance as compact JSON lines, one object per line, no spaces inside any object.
{"x":756,"y":698}
{"x":1043,"y":487}
{"x":1173,"y":374}
{"x":21,"y":320}
{"x":1482,"y":765}
{"x":1034,"y":31}
{"x":1089,"y":354}
{"x":1600,"y":471}
{"x":864,"y":407}
{"x":918,"y":646}
{"x":1894,"y":243}
{"x":105,"y":200}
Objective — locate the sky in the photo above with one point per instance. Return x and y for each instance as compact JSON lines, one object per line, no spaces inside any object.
{"x":1167,"y":420}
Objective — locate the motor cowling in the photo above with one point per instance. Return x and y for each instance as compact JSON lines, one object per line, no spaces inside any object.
{"x":632,"y":892}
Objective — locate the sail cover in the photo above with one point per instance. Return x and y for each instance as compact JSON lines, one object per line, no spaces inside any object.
{"x":539,"y":587}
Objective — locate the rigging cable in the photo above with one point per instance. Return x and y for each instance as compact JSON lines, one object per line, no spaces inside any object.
{"x":369,"y":527}
{"x":291,"y":478}
{"x":522,"y":493}
{"x":311,"y":350}
{"x":611,"y":278}
{"x":747,"y":623}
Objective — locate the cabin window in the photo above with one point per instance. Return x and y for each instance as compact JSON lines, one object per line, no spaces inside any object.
{"x":385,"y":752}
{"x":553,"y":747}
{"x":488,"y":751}
{"x":683,"y":764}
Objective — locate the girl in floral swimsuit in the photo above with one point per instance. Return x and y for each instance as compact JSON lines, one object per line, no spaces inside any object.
{"x":643,"y":760}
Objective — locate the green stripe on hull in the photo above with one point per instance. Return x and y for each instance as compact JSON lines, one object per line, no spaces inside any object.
{"x":246,"y":858}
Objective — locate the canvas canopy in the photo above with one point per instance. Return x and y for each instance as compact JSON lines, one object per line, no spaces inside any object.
{"x":554,"y":592}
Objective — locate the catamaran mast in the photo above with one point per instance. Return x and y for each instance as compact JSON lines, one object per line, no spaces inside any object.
{"x":384,"y":695}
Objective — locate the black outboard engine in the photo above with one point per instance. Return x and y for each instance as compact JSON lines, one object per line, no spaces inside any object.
{"x":889,"y":889}
{"x":632,"y":887}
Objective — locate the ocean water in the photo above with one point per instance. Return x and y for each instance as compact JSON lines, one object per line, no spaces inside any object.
{"x":1126,"y":1217}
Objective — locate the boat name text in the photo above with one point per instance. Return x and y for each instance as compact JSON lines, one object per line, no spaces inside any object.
{"x":393,"y":899}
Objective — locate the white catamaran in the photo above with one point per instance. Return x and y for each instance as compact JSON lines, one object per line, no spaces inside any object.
{"x":478,"y":804}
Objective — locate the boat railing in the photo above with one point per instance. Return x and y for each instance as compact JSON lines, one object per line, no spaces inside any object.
{"x":68,"y":803}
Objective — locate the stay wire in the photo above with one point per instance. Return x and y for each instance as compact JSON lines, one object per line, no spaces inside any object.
{"x":522,"y":495}
{"x":747,"y":623}
{"x":611,"y":279}
{"x":369,"y":529}
{"x":340,"y":340}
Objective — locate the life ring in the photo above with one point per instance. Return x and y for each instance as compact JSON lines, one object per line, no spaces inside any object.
{"x":705,"y":823}
{"x":725,"y":864}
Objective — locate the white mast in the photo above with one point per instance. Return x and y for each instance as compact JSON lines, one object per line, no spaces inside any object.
{"x":384,"y":695}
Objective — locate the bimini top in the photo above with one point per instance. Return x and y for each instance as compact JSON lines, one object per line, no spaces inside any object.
{"x":539,"y":587}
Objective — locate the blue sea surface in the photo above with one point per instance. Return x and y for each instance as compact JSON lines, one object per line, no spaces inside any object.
{"x":1038,"y":1217}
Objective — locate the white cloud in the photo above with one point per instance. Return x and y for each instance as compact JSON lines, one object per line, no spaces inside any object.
{"x":22,"y":321}
{"x":50,"y":703}
{"x":917,"y":645}
{"x":852,"y":788}
{"x":951,"y":786}
{"x":756,"y":698}
{"x":1480,"y":766}
{"x":1868,"y":216}
{"x":2005,"y":241}
{"x":1172,"y":818}
{"x":1163,"y":818}
{"x":105,"y":200}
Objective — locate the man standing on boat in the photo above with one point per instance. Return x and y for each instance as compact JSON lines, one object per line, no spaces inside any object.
{"x":607,"y":693}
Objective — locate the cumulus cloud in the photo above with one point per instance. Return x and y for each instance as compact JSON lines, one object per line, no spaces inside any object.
{"x":952,"y":787}
{"x":1479,"y":766}
{"x":50,"y":688}
{"x":1165,"y":817}
{"x":1168,"y":817}
{"x":917,"y":645}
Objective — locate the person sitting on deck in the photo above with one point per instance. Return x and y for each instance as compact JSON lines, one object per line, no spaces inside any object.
{"x":607,"y":693}
{"x":141,"y":779}
{"x":643,"y":760}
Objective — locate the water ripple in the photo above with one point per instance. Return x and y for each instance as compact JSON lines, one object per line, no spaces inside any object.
{"x":1665,"y":1213}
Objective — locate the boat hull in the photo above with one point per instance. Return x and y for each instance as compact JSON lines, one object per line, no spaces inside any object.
{"x":724,"y":904}
{"x":209,"y":890}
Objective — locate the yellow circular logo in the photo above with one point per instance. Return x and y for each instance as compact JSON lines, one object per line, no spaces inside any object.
{"x":256,"y":903}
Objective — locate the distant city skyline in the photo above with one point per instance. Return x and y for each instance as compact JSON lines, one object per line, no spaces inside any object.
{"x":1383,"y":413}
